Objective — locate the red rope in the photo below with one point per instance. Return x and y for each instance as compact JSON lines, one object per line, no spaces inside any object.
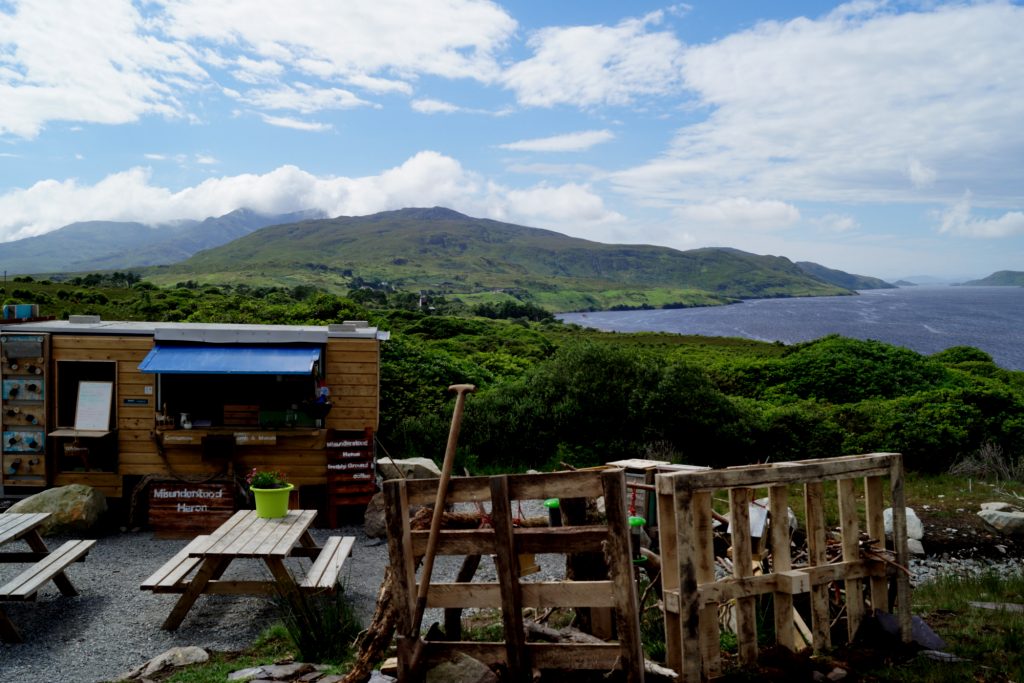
{"x":632,"y":503}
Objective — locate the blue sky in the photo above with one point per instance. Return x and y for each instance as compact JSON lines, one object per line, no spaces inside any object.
{"x":882,"y":138}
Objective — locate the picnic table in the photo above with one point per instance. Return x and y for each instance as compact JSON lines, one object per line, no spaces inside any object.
{"x":47,"y":565}
{"x":246,"y":536}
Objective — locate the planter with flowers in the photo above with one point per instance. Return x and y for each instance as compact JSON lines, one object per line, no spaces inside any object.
{"x":270,"y":491}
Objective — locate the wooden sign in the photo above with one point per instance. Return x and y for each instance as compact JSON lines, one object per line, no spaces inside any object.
{"x":182,"y":509}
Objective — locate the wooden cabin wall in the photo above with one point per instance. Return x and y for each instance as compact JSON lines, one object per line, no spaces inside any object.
{"x":137,"y":453}
{"x":352,"y":371}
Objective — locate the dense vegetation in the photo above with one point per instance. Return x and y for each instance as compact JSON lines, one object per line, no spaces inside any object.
{"x":551,"y":393}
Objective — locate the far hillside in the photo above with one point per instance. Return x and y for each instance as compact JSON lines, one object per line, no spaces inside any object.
{"x":441,"y":251}
{"x":1002,"y":278}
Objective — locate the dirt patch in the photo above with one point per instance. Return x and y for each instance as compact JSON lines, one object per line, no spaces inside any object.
{"x":961,"y":533}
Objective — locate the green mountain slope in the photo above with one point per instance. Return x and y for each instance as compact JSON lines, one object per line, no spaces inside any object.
{"x":442,"y":250}
{"x":1002,"y":278}
{"x":840,"y":278}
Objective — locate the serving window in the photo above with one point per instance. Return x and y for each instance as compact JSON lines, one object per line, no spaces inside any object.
{"x":224,"y":385}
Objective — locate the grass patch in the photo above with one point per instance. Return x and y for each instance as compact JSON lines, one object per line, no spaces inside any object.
{"x":273,"y":645}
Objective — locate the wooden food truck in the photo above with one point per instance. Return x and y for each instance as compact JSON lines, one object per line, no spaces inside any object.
{"x":180,"y":412}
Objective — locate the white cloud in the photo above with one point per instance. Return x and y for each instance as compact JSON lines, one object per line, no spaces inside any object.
{"x":957,"y":220}
{"x":740,"y":213}
{"x":428,"y":106}
{"x":155,"y":157}
{"x":597,"y":65}
{"x":920,"y":175}
{"x":87,"y":62}
{"x":364,"y":42}
{"x":257,"y":70}
{"x":303,"y":98}
{"x":838,"y":109}
{"x":206,"y":159}
{"x":296,"y":124}
{"x":425,"y":179}
{"x":569,"y":142}
{"x":836,"y":223}
{"x":570,"y":204}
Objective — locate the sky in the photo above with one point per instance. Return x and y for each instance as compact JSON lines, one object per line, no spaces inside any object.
{"x":880,"y":138}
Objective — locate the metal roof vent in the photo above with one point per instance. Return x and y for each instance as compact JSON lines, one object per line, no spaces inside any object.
{"x":84,"y":319}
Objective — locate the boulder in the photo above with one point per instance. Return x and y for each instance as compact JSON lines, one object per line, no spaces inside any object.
{"x":1000,"y":507}
{"x":1006,"y":523}
{"x":461,"y":669}
{"x":915,"y":529}
{"x":409,"y":468}
{"x":915,"y":547}
{"x":173,"y":658}
{"x":374,"y":524}
{"x":73,"y":508}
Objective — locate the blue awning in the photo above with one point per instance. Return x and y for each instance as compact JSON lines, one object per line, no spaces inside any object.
{"x":211,"y":359}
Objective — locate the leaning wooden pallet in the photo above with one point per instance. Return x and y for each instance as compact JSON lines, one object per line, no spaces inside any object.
{"x":506,"y":542}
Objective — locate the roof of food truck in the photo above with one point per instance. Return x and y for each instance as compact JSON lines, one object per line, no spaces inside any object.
{"x":212,"y":333}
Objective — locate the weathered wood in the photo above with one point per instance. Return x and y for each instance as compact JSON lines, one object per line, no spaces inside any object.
{"x":542,"y":540}
{"x":899,"y":534}
{"x":581,"y":484}
{"x":620,"y":567}
{"x":324,"y":573}
{"x":874,"y":504}
{"x":778,"y":504}
{"x":667,"y":540}
{"x":25,"y":585}
{"x":746,"y":612}
{"x":376,"y":639}
{"x":816,"y":551}
{"x":171,"y":574}
{"x":850,"y":529}
{"x":710,"y":644}
{"x":402,"y":555}
{"x":507,"y":565}
{"x":689,"y":605}
{"x":758,"y":476}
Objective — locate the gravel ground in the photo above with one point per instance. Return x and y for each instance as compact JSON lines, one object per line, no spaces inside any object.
{"x":114,"y":626}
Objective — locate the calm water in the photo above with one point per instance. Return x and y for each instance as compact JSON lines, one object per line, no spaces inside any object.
{"x":925,"y":319}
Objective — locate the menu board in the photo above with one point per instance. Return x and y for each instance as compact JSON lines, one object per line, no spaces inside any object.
{"x":92,"y":412}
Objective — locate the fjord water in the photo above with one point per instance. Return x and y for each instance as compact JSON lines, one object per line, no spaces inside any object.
{"x":925,"y":319}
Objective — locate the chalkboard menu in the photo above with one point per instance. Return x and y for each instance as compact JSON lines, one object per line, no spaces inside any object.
{"x":351,"y":470}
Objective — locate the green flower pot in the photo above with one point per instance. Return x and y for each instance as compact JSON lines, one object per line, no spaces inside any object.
{"x":271,"y":503}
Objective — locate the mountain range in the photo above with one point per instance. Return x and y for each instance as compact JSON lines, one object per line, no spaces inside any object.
{"x":437,"y":250}
{"x":118,"y":245}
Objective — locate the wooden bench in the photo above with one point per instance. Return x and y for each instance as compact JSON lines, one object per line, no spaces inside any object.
{"x":26,"y":585}
{"x":170,"y":578}
{"x":323,"y":575}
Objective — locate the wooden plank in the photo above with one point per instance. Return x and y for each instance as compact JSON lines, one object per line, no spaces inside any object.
{"x":531,"y":540}
{"x":899,"y":534}
{"x":402,"y":554}
{"x":352,"y":380}
{"x":620,"y":567}
{"x":539,"y":595}
{"x":816,"y":551}
{"x":175,"y":569}
{"x":507,"y":565}
{"x":703,"y":538}
{"x":850,"y":528}
{"x":26,"y":584}
{"x":65,"y":342}
{"x":778,"y":503}
{"x":580,"y":484}
{"x":669,"y":574}
{"x":746,"y":612}
{"x":689,"y":608}
{"x":756,"y":476}
{"x":558,"y":656}
{"x":327,"y":566}
{"x":874,"y":504}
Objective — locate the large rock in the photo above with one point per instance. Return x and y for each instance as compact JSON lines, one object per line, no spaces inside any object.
{"x":173,"y":658}
{"x":461,"y":669}
{"x":374,"y":523}
{"x":409,"y":468}
{"x":915,"y":529}
{"x":73,"y":508}
{"x":1000,"y":507}
{"x":1006,"y":523}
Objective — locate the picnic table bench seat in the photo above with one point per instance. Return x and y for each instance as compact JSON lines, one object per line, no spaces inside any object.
{"x":25,"y":585}
{"x":169,"y":578}
{"x":323,"y":575}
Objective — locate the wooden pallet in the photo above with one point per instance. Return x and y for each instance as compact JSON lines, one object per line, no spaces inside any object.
{"x":693,"y":596}
{"x":506,"y":542}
